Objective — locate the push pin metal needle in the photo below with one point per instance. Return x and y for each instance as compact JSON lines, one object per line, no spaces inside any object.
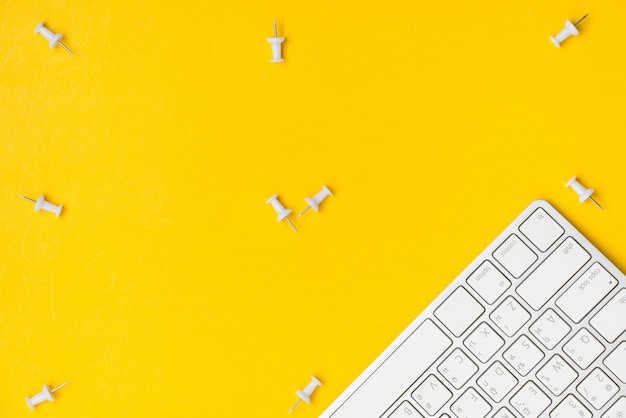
{"x":583,"y":192}
{"x":53,"y":38}
{"x":305,"y":394}
{"x":570,"y":29}
{"x":44,"y":395}
{"x":276,"y":46}
{"x":42,"y":204}
{"x":314,"y":202}
{"x":283,"y":213}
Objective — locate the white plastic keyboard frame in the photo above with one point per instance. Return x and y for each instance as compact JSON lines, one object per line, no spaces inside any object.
{"x":344,"y":406}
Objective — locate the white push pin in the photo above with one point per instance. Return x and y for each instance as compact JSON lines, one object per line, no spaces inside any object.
{"x":583,"y":192}
{"x":53,"y":38}
{"x":280,"y":209}
{"x":44,"y":395}
{"x":315,"y":201}
{"x":305,"y":394}
{"x":42,"y":204}
{"x":570,"y":29}
{"x":276,"y":46}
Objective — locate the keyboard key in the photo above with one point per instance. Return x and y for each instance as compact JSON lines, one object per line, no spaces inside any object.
{"x":510,"y":316}
{"x":488,"y":282}
{"x":523,"y":355}
{"x":497,"y":381}
{"x":382,"y":384}
{"x":470,"y":405}
{"x":541,"y":229}
{"x":515,"y":256}
{"x":553,"y":273}
{"x":556,"y":375}
{"x":550,"y":329}
{"x":618,"y":410}
{"x":530,"y":401}
{"x":583,"y":348}
{"x":610,"y":321}
{"x":616,"y":362}
{"x":405,"y":410}
{"x":483,"y":342}
{"x":504,"y":413}
{"x":459,"y":311}
{"x":570,"y":407}
{"x":431,"y":395}
{"x":597,"y":388}
{"x":457,"y":368}
{"x":586,"y":292}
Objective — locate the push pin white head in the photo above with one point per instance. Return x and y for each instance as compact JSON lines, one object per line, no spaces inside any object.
{"x":44,"y":395}
{"x":280,"y":209}
{"x":53,"y":38}
{"x":315,"y":201}
{"x":570,"y":29}
{"x":305,"y":394}
{"x":276,"y":46}
{"x":42,"y":204}
{"x":583,"y":192}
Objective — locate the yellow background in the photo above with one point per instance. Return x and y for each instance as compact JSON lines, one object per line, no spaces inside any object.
{"x":167,"y":288}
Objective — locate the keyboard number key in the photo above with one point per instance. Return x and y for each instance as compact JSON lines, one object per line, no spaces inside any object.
{"x":550,"y":329}
{"x":618,"y":410}
{"x":470,"y":405}
{"x":510,"y":316}
{"x":459,"y":311}
{"x":530,"y":401}
{"x":431,"y":395}
{"x":556,"y":375}
{"x":488,"y":282}
{"x":541,"y":229}
{"x":515,"y":256}
{"x":497,"y":381}
{"x":583,"y":348}
{"x":523,"y":355}
{"x":405,"y":410}
{"x":616,"y":362}
{"x":597,"y":388}
{"x":457,"y":368}
{"x":570,"y":407}
{"x":483,"y":342}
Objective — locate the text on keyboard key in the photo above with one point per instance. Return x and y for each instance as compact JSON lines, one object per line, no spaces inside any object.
{"x":515,"y":256}
{"x":541,"y":229}
{"x":510,"y":316}
{"x":616,"y":362}
{"x":470,"y":405}
{"x":523,"y":355}
{"x":583,"y":348}
{"x":457,"y":368}
{"x":431,"y":395}
{"x":488,"y":282}
{"x":497,"y":381}
{"x":586,"y":292}
{"x":557,"y":375}
{"x":530,"y":401}
{"x":610,"y":321}
{"x":550,"y":329}
{"x":597,"y":388}
{"x":570,"y":407}
{"x":553,"y":273}
{"x":618,"y":410}
{"x":459,"y":311}
{"x":405,"y":410}
{"x":483,"y":342}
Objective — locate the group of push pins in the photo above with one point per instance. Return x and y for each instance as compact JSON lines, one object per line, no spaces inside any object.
{"x":276,"y":41}
{"x":312,"y":202}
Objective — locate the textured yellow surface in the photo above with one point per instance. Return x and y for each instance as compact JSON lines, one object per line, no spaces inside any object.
{"x":167,"y":288}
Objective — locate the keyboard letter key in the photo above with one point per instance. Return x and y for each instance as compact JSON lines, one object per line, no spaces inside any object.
{"x":530,"y":401}
{"x":553,"y":273}
{"x":459,"y":311}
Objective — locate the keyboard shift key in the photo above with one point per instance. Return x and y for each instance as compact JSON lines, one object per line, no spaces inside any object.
{"x":515,"y":256}
{"x":459,"y":311}
{"x":610,"y":321}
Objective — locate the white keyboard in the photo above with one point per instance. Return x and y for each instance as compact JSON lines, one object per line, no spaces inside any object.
{"x":532,"y":328}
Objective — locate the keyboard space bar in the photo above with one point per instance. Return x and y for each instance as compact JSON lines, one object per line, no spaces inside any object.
{"x":377,"y":388}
